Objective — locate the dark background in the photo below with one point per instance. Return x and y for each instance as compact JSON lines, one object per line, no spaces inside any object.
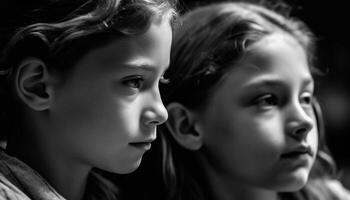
{"x":329,"y":20}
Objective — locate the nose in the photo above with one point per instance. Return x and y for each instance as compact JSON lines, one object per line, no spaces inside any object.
{"x":300,"y":121}
{"x":155,"y":112}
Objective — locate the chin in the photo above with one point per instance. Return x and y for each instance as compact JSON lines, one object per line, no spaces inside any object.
{"x":126,"y":167}
{"x":294,"y":183}
{"x":293,"y":186}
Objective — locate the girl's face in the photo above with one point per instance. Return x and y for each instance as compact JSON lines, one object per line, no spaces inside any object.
{"x":105,"y":114}
{"x":259,"y":127}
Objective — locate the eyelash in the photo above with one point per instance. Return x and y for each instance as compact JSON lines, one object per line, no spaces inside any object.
{"x":137,"y":82}
{"x":266,"y":100}
{"x":269,"y":100}
{"x":163,"y":80}
{"x":134,"y":82}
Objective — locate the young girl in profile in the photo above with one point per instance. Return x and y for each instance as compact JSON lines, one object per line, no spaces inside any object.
{"x":242,"y":115}
{"x":79,"y":93}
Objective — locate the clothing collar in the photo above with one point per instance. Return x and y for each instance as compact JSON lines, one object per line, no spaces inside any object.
{"x":26,"y":179}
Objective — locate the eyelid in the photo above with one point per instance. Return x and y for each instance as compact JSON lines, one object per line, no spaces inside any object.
{"x":264,"y":96}
{"x":132,"y":77}
{"x":260,"y":101}
{"x":308,"y":95}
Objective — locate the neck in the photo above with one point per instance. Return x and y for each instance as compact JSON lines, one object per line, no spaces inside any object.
{"x":224,"y":187}
{"x":68,"y":178}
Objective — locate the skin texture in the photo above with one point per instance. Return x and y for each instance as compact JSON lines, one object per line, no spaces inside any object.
{"x":103,"y":115}
{"x":112,"y":100}
{"x":259,"y":113}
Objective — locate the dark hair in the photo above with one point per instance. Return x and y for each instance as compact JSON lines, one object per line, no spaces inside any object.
{"x":60,"y":33}
{"x":211,"y":41}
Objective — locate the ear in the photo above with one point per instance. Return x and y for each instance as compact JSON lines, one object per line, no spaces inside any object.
{"x":181,"y":125}
{"x":31,"y":84}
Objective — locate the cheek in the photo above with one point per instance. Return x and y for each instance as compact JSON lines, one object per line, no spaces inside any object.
{"x":217,"y":129}
{"x":312,"y":139}
{"x":102,"y":113}
{"x":128,"y":116}
{"x":261,"y":141}
{"x":313,"y":136}
{"x":117,"y":116}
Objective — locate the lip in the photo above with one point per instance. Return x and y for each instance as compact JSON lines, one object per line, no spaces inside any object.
{"x":143,"y":145}
{"x":297,"y":152}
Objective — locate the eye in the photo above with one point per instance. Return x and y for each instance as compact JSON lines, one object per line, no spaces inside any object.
{"x":306,"y":99}
{"x":164,"y":80}
{"x":135,"y":82}
{"x":267,"y":100}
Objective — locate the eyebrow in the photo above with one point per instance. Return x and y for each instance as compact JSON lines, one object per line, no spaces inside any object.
{"x":274,"y":82}
{"x":144,"y":65}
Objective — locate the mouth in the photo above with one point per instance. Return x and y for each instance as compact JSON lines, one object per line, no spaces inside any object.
{"x":142,"y":145}
{"x":297,"y":152}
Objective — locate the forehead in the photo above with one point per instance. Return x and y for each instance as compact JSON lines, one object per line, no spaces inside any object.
{"x":151,"y":48}
{"x":278,"y":50}
{"x":276,"y":57}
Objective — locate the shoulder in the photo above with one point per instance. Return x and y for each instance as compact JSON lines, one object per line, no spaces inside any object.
{"x":8,"y":191}
{"x":338,"y":189}
{"x":328,"y":189}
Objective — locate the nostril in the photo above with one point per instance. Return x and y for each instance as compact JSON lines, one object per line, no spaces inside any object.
{"x":153,"y":117}
{"x":154,"y":122}
{"x":300,"y":133}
